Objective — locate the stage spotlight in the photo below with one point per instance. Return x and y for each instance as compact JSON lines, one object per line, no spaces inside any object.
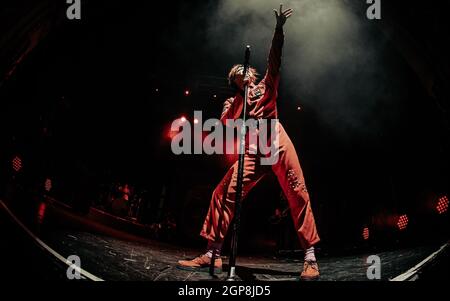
{"x":170,"y":134}
{"x":442,"y":205}
{"x":402,"y":222}
{"x":17,"y":164}
{"x":365,"y":233}
{"x":195,"y":121}
{"x":299,"y":108}
{"x":48,"y":185}
{"x":187,"y":92}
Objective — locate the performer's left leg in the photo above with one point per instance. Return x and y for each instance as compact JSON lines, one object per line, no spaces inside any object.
{"x":290,"y":177}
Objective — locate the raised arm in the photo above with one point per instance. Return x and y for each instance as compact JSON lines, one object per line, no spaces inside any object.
{"x":274,"y":61}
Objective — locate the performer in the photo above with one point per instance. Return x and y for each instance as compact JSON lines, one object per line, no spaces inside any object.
{"x":261,"y":104}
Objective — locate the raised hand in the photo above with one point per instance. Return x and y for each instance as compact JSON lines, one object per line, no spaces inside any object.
{"x":282,"y":16}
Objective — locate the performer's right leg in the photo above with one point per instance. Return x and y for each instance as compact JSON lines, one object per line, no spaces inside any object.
{"x":221,"y":209}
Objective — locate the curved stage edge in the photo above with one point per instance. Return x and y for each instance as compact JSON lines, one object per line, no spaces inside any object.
{"x":109,"y":254}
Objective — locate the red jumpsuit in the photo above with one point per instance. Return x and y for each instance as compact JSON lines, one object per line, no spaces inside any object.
{"x":287,"y":168}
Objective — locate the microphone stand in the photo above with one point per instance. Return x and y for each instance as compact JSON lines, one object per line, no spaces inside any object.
{"x":240,"y":175}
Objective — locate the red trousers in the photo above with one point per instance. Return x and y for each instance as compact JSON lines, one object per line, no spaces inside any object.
{"x":290,"y":176}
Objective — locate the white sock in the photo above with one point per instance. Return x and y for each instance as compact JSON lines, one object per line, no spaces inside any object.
{"x":213,"y":246}
{"x":309,"y":254}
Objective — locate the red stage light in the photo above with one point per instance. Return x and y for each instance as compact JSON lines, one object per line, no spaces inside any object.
{"x":17,"y":164}
{"x":187,"y":93}
{"x":170,"y":134}
{"x":366,"y":233}
{"x":402,"y":222}
{"x":442,"y":205}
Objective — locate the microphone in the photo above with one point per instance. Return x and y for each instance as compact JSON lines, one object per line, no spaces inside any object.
{"x":246,"y":60}
{"x":247,"y":55}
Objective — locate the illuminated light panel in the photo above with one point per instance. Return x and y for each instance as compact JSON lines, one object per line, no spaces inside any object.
{"x":402,"y":222}
{"x":365,"y":233}
{"x":17,"y":164}
{"x":442,"y":205}
{"x":48,"y":185}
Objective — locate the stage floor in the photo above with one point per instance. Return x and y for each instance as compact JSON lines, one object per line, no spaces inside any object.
{"x":110,"y":254}
{"x":114,"y":259}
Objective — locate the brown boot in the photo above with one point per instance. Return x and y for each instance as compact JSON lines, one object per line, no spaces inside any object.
{"x":310,"y":271}
{"x":200,"y":264}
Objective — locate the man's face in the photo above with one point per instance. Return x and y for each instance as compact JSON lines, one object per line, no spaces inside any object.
{"x":239,"y":79}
